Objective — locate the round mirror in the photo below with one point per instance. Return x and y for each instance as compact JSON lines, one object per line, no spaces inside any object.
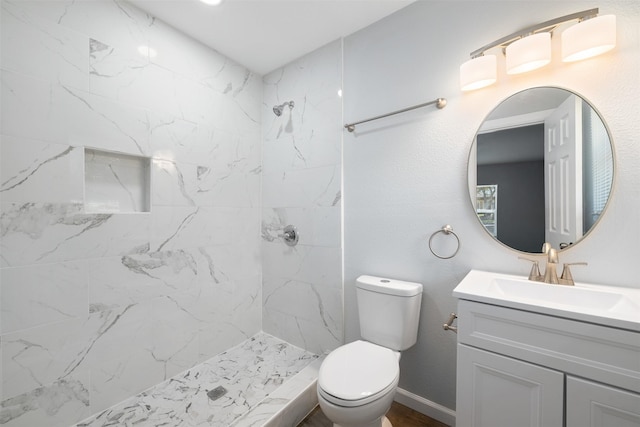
{"x":541,"y":169}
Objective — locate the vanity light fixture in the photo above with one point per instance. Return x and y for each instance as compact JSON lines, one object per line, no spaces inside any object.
{"x":211,"y":2}
{"x":591,"y":37}
{"x":529,"y":49}
{"x":528,"y":53}
{"x":478,"y":72}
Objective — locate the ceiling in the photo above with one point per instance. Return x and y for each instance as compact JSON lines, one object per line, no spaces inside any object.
{"x":264,"y":35}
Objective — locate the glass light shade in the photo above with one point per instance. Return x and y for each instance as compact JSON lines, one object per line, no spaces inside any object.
{"x":529,"y":53}
{"x":589,"y":38}
{"x":478,"y":72}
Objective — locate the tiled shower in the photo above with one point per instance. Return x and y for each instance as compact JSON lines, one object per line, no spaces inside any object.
{"x":144,"y":183}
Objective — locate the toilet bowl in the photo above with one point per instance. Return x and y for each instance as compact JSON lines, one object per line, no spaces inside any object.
{"x":357,"y":381}
{"x":357,"y":384}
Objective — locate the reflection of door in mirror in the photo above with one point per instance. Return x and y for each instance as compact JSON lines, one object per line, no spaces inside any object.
{"x":509,"y":151}
{"x":563,"y":173}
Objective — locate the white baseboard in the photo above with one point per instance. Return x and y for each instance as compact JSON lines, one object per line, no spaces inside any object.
{"x":427,"y":407}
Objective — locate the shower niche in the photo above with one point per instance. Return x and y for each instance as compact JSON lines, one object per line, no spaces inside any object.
{"x":116,"y":183}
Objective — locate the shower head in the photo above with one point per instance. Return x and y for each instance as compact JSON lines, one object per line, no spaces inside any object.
{"x":277,"y":110}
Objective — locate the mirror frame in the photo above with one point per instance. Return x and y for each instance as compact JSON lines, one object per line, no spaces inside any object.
{"x":613,"y":160}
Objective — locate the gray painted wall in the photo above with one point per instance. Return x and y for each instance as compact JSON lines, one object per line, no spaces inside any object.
{"x":406,"y":176}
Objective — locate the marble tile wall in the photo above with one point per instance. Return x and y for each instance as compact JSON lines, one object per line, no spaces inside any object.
{"x":302,"y":179}
{"x":96,"y":307}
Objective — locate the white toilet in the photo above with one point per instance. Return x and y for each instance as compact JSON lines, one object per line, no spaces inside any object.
{"x":357,"y":381}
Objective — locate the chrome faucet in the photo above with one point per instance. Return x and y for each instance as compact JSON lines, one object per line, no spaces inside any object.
{"x":550,"y":271}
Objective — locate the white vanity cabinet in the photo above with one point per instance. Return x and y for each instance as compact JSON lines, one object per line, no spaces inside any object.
{"x":494,"y":390}
{"x":598,"y":405}
{"x":519,"y":368}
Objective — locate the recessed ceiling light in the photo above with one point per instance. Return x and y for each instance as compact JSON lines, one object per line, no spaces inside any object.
{"x":211,"y":2}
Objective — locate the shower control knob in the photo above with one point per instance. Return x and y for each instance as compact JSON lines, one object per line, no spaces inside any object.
{"x":290,"y":235}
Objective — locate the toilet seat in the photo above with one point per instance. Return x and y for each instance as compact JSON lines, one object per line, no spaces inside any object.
{"x":358,"y":373}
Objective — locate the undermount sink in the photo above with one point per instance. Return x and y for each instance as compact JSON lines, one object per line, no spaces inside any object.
{"x":608,"y":305}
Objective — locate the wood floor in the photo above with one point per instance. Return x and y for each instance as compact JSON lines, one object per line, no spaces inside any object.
{"x":399,"y":415}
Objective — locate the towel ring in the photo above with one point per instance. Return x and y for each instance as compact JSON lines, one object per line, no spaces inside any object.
{"x":447,"y":229}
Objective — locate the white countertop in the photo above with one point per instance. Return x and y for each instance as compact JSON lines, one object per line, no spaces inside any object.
{"x":604,"y":305}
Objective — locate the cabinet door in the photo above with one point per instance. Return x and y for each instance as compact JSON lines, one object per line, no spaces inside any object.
{"x":498,"y":391}
{"x":595,"y":405}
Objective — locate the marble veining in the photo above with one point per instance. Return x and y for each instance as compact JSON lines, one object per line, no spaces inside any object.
{"x":249,"y":373}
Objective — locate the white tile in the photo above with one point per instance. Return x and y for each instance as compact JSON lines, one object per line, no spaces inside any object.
{"x":174,"y":139}
{"x":116,"y":282}
{"x":115,"y":380}
{"x":316,"y":226}
{"x":39,"y":356}
{"x":132,"y":80}
{"x":56,"y":404}
{"x":97,"y":122}
{"x":303,"y":188}
{"x":70,"y":116}
{"x":190,"y":227}
{"x":174,"y":184}
{"x":177,"y":52}
{"x":27,"y":168}
{"x":316,"y":303}
{"x":174,"y":336}
{"x":293,"y":152}
{"x":104,"y":333}
{"x":28,"y":42}
{"x":26,"y":101}
{"x":309,"y":264}
{"x":303,"y":333}
{"x":228,"y":263}
{"x":39,"y":294}
{"x":303,"y":314}
{"x":118,"y":24}
{"x":41,"y":233}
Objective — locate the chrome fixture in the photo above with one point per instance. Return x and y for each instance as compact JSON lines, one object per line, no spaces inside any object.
{"x":530,"y":48}
{"x":277,"y":110}
{"x":440,"y":103}
{"x":550,"y":272}
{"x":290,"y":235}
{"x":447,"y":230}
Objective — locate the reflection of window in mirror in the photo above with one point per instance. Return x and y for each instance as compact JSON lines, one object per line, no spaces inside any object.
{"x":598,"y":166}
{"x":487,"y":207}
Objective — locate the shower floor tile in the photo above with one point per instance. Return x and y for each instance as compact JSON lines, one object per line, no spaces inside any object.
{"x":219,"y":392}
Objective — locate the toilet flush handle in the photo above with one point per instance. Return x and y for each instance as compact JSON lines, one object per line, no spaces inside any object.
{"x":448,"y":326}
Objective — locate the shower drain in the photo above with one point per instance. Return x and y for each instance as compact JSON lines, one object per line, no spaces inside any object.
{"x":217,"y":393}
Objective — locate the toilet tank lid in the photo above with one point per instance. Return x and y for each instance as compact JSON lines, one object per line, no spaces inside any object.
{"x":388,"y":286}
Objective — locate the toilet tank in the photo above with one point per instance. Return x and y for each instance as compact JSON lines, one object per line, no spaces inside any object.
{"x":389,"y":311}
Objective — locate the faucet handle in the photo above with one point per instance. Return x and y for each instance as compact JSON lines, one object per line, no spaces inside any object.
{"x":566,"y":278}
{"x":535,"y":269}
